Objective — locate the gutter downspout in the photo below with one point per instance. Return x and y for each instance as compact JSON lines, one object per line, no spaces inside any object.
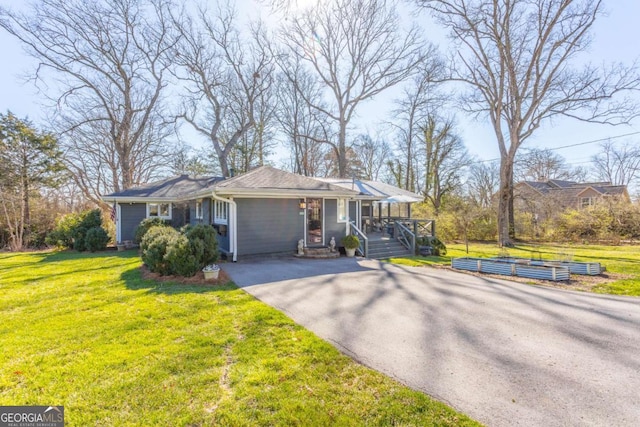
{"x":233,"y":229}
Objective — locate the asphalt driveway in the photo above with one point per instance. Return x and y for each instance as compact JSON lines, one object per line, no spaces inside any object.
{"x":504,"y":353}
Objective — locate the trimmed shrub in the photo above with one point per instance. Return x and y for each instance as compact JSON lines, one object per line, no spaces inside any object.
{"x":154,"y":246}
{"x":179,"y":258}
{"x":167,"y":251}
{"x":96,"y":239}
{"x":203,"y":243}
{"x":145,"y":225}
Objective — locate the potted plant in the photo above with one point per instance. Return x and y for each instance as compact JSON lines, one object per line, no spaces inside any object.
{"x":350,"y":243}
{"x":211,"y":271}
{"x":121,"y":246}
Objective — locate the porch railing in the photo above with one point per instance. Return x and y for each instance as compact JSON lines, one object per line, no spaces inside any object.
{"x":363,"y":249}
{"x":405,"y":236}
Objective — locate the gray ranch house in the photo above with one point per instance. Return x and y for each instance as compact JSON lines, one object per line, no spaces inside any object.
{"x":267,"y":210}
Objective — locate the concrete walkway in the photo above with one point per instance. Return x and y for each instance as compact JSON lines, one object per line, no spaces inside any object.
{"x":504,"y":353}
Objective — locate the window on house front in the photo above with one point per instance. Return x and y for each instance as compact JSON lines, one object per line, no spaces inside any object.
{"x":220,"y":214}
{"x":199,"y":214}
{"x":585,"y":202}
{"x":342,"y":210}
{"x":159,"y":210}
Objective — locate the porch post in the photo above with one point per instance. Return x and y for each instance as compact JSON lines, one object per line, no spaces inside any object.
{"x":118,"y":224}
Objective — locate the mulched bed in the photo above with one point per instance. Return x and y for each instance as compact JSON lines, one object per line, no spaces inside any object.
{"x":198,"y":279}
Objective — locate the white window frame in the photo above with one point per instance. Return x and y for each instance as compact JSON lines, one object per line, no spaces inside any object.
{"x":585,"y":202}
{"x":343,"y":204}
{"x":220,"y":212}
{"x":199,"y":210}
{"x":159,"y":205}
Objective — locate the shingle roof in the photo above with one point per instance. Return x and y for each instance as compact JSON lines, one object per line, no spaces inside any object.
{"x":567,"y":193}
{"x":177,"y":187}
{"x":560,"y":183}
{"x":265,"y":178}
{"x":375,"y":189}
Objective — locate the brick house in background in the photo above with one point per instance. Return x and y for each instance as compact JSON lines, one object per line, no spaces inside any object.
{"x":546,"y":199}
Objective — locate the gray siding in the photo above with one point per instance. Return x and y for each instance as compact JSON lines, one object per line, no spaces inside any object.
{"x":332,"y":227}
{"x":180,"y":215}
{"x":206,"y":211}
{"x":130,"y":217}
{"x":268,"y":225}
{"x":192,"y":213}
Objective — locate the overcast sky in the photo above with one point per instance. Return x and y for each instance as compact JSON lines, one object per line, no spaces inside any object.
{"x":616,"y":38}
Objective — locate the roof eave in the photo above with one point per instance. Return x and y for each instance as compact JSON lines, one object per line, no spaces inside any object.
{"x":253,"y":192}
{"x":139,"y":199}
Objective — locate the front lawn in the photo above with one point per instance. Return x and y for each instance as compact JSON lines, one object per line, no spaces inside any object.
{"x":622,"y":262}
{"x":87,"y":332}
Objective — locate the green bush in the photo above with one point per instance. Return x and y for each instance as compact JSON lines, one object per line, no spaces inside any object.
{"x":439,"y":248}
{"x":62,"y":235}
{"x":585,"y":224}
{"x":71,"y":230}
{"x":168,"y":251}
{"x":350,"y":241}
{"x":203,"y":243}
{"x":145,"y":225}
{"x":96,"y":239}
{"x":88,"y":220}
{"x":154,"y":246}
{"x":179,"y":258}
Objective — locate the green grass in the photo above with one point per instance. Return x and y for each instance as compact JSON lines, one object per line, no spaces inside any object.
{"x":622,"y":261}
{"x":87,"y":332}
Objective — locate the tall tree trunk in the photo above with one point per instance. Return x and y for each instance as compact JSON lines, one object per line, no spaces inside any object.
{"x":504,"y":200}
{"x":512,"y":219}
{"x":342,"y":151}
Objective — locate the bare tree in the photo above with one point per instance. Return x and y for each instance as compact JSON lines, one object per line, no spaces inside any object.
{"x":445,"y":159}
{"x":419,"y":99}
{"x":258,"y":142}
{"x":372,"y":156}
{"x":543,"y":165}
{"x":226,"y":74}
{"x":618,"y":165}
{"x":515,"y":58}
{"x":184,"y":160}
{"x":305,"y":129}
{"x":483,"y":181}
{"x":105,"y":64}
{"x":357,"y":49}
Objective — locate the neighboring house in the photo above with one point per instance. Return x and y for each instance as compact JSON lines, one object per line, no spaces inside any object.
{"x":547,"y":198}
{"x":266,"y":210}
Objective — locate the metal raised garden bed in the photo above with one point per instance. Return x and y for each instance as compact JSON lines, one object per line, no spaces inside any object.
{"x":512,"y":268}
{"x":575,"y":267}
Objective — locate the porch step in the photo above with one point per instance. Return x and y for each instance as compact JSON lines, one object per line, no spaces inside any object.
{"x":380,"y":249}
{"x":322,"y":252}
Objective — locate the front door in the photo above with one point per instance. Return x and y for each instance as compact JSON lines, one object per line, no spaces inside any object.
{"x":314,"y":222}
